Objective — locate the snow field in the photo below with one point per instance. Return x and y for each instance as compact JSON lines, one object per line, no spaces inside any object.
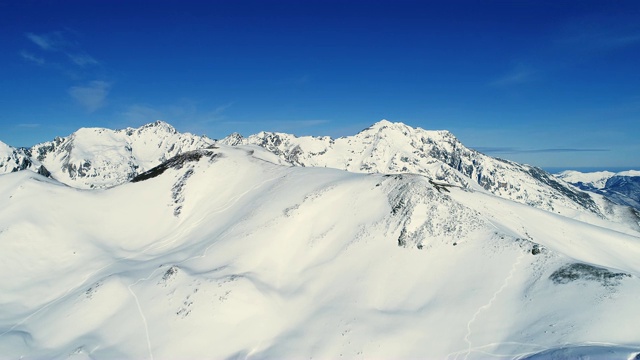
{"x":270,"y":261}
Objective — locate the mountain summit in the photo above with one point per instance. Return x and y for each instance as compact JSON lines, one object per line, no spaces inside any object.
{"x":393,"y":148}
{"x":230,"y":252}
{"x":103,"y":158}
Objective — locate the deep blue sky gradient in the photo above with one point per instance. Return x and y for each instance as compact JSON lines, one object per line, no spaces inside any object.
{"x":550,"y":83}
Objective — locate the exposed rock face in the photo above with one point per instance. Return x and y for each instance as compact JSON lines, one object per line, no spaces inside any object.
{"x":621,"y":188}
{"x":102,"y":158}
{"x":388,"y":147}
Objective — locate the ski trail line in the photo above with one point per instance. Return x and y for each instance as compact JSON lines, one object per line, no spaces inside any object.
{"x":175,"y":238}
{"x":144,"y":319}
{"x":152,"y":246}
{"x":486,"y":306}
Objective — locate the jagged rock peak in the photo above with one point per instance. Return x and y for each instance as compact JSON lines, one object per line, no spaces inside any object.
{"x":159,"y":124}
{"x":386,"y":124}
{"x":156,"y":127}
{"x":232,"y":139}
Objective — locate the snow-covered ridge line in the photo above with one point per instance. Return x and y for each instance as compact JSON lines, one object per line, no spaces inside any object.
{"x":223,"y":253}
{"x":621,"y":188}
{"x":387,"y":147}
{"x":95,"y":158}
{"x":102,"y":158}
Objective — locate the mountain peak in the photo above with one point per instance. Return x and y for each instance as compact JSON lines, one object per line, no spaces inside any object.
{"x":159,"y":124}
{"x":384,"y":123}
{"x":4,"y":148}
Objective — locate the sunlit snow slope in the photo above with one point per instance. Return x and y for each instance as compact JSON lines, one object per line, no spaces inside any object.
{"x":222,"y":253}
{"x":388,"y":147}
{"x":97,"y":158}
{"x":101,"y":158}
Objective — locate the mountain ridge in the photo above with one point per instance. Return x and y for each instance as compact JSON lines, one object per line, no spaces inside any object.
{"x":102,"y":158}
{"x":387,"y":147}
{"x":621,"y":188}
{"x":232,"y":254}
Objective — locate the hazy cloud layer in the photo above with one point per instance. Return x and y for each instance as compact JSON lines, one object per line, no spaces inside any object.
{"x":58,"y":51}
{"x":180,"y":112}
{"x":49,"y":42}
{"x":513,"y":150}
{"x":92,"y":96}
{"x":32,"y":58}
{"x":601,"y":33}
{"x":82,"y":59}
{"x":518,"y":75}
{"x":57,"y":42}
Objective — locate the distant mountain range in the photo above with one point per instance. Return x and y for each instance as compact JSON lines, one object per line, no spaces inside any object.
{"x":102,"y":158}
{"x":396,"y":242}
{"x":622,"y":188}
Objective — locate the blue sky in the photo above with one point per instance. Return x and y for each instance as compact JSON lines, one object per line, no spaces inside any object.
{"x":549,"y":83}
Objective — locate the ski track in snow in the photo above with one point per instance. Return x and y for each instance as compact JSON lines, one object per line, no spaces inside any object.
{"x":228,"y":205}
{"x":485,"y":307}
{"x":144,"y":318}
{"x":153,"y":246}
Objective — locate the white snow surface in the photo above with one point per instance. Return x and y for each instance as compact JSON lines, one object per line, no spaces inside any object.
{"x":596,"y":179}
{"x":102,"y":158}
{"x":631,"y":173}
{"x":391,"y":148}
{"x":230,"y":254}
{"x":4,"y":148}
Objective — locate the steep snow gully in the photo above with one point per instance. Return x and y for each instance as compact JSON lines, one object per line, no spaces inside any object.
{"x":249,"y":249}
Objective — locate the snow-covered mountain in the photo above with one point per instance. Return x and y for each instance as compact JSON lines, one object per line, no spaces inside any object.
{"x":102,"y":158}
{"x":226,"y":253}
{"x":392,"y":148}
{"x":621,"y":188}
{"x":15,"y":159}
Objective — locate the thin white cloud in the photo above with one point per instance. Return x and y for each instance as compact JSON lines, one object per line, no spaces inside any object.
{"x":518,"y":75}
{"x":49,"y":42}
{"x":32,"y":58}
{"x":92,"y":96}
{"x":603,"y":40}
{"x":222,"y":108}
{"x":600,"y":33}
{"x":296,"y":81}
{"x":285,"y":124}
{"x":58,"y":42}
{"x":82,"y":59}
{"x":185,"y":111}
{"x":305,"y":123}
{"x":141,"y":114}
{"x":29,"y":126}
{"x":514,"y":150}
{"x":623,"y":40}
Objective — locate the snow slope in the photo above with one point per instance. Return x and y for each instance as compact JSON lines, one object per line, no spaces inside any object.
{"x":595,"y":180}
{"x":225,"y":253}
{"x":388,"y":147}
{"x":102,"y":158}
